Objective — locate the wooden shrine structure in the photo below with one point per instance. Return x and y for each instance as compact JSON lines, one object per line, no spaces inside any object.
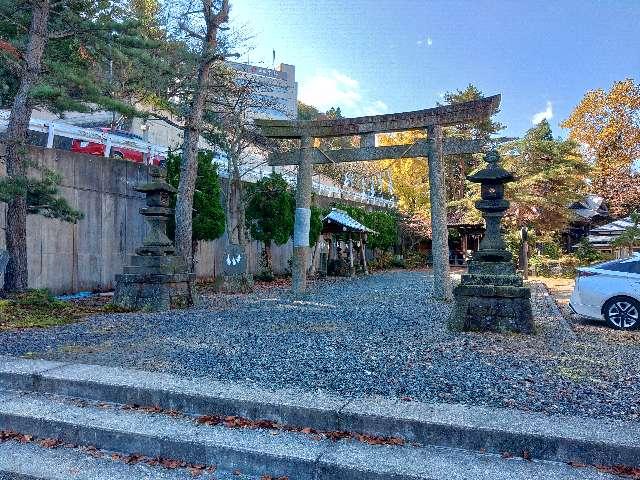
{"x":433,"y":148}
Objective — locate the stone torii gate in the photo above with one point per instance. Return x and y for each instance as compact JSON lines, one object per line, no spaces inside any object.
{"x":433,"y":148}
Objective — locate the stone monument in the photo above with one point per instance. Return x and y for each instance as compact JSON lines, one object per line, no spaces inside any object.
{"x":235,"y":278}
{"x":156,"y":279}
{"x":491,"y":296}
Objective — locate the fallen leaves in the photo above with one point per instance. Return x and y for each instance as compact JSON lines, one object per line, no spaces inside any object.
{"x":232,"y":421}
{"x":50,"y":442}
{"x":169,"y":463}
{"x":620,"y":470}
{"x":152,"y":409}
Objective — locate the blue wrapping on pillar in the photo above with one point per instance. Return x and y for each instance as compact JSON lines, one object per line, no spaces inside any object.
{"x":301,"y":227}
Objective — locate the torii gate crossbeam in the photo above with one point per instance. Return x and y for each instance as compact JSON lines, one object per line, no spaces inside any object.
{"x":433,"y":148}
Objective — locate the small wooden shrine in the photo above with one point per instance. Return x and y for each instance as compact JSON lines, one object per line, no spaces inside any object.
{"x":343,"y":231}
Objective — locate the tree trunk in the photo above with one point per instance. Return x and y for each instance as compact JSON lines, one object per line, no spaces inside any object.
{"x":189,"y":164}
{"x":194,"y":250}
{"x":189,"y":169}
{"x":268,"y":256}
{"x":235,"y":206}
{"x":16,"y":273}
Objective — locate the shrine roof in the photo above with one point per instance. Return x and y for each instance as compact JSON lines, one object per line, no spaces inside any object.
{"x":348,"y":223}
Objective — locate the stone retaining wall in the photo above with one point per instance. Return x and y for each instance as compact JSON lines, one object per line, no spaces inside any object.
{"x":86,"y":256}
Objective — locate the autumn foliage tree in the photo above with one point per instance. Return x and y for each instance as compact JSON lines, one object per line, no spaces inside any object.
{"x":607,"y":124}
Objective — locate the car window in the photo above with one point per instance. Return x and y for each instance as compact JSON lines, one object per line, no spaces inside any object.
{"x":122,"y":133}
{"x":627,"y":265}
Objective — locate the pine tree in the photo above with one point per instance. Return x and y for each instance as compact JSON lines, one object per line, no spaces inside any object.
{"x":551,"y":175}
{"x":60,"y":56}
{"x":200,"y":24}
{"x":208,"y":214}
{"x":461,"y":194}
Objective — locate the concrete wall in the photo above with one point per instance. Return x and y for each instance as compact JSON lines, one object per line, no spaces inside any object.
{"x":86,"y":256}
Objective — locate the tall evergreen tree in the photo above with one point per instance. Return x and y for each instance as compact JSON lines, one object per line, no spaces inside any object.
{"x":270,"y":212}
{"x":460,"y":193}
{"x":208,"y":215}
{"x":551,"y":175}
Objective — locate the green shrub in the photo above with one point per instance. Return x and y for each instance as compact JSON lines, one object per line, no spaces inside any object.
{"x":562,"y":267}
{"x":586,"y":253}
{"x":383,"y":261}
{"x":415,"y":260}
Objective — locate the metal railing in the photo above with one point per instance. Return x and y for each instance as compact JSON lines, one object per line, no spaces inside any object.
{"x":53,"y":128}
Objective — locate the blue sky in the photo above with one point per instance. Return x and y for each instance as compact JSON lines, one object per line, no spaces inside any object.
{"x":383,"y":56}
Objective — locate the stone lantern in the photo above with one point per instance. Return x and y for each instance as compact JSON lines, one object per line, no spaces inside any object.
{"x":491,"y":295}
{"x":156,"y":279}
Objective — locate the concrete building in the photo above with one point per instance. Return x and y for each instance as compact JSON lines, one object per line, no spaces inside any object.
{"x":277,"y":84}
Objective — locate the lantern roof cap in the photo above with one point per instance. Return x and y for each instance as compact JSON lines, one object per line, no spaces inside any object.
{"x":157,"y":182}
{"x":493,"y":172}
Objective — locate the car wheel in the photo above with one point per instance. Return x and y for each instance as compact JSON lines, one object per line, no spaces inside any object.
{"x":622,"y":313}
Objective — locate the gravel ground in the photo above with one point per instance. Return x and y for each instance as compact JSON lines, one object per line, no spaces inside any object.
{"x":381,"y":334}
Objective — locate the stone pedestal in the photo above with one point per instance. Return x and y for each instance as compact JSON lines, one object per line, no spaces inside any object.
{"x":156,"y":279}
{"x":491,"y":295}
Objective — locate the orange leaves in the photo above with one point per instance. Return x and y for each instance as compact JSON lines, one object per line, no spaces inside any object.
{"x":50,"y":442}
{"x":608,"y":124}
{"x":619,"y":470}
{"x":10,"y":49}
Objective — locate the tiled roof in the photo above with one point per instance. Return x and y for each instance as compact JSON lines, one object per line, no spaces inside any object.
{"x":615,"y":227}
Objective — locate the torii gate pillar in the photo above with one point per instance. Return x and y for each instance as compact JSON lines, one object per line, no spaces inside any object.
{"x":439,"y":232}
{"x":302,"y":223}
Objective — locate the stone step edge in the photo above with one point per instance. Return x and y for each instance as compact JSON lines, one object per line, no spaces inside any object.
{"x":253,"y":452}
{"x":30,"y":461}
{"x":562,"y":439}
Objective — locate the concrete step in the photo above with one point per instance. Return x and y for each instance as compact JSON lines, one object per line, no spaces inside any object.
{"x":255,"y":452}
{"x":30,"y":461}
{"x":562,"y":439}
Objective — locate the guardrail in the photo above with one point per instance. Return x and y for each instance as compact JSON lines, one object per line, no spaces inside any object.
{"x":61,"y":129}
{"x":252,"y":174}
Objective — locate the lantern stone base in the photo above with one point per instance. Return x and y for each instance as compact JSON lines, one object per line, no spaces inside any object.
{"x":492,"y":298}
{"x":154,"y":283}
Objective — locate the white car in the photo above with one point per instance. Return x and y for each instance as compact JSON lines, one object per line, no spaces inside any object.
{"x":609,"y":291}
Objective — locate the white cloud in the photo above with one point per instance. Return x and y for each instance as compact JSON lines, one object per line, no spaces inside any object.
{"x":376,"y":108}
{"x":427,"y":41}
{"x":335,"y":89}
{"x":547,"y":114}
